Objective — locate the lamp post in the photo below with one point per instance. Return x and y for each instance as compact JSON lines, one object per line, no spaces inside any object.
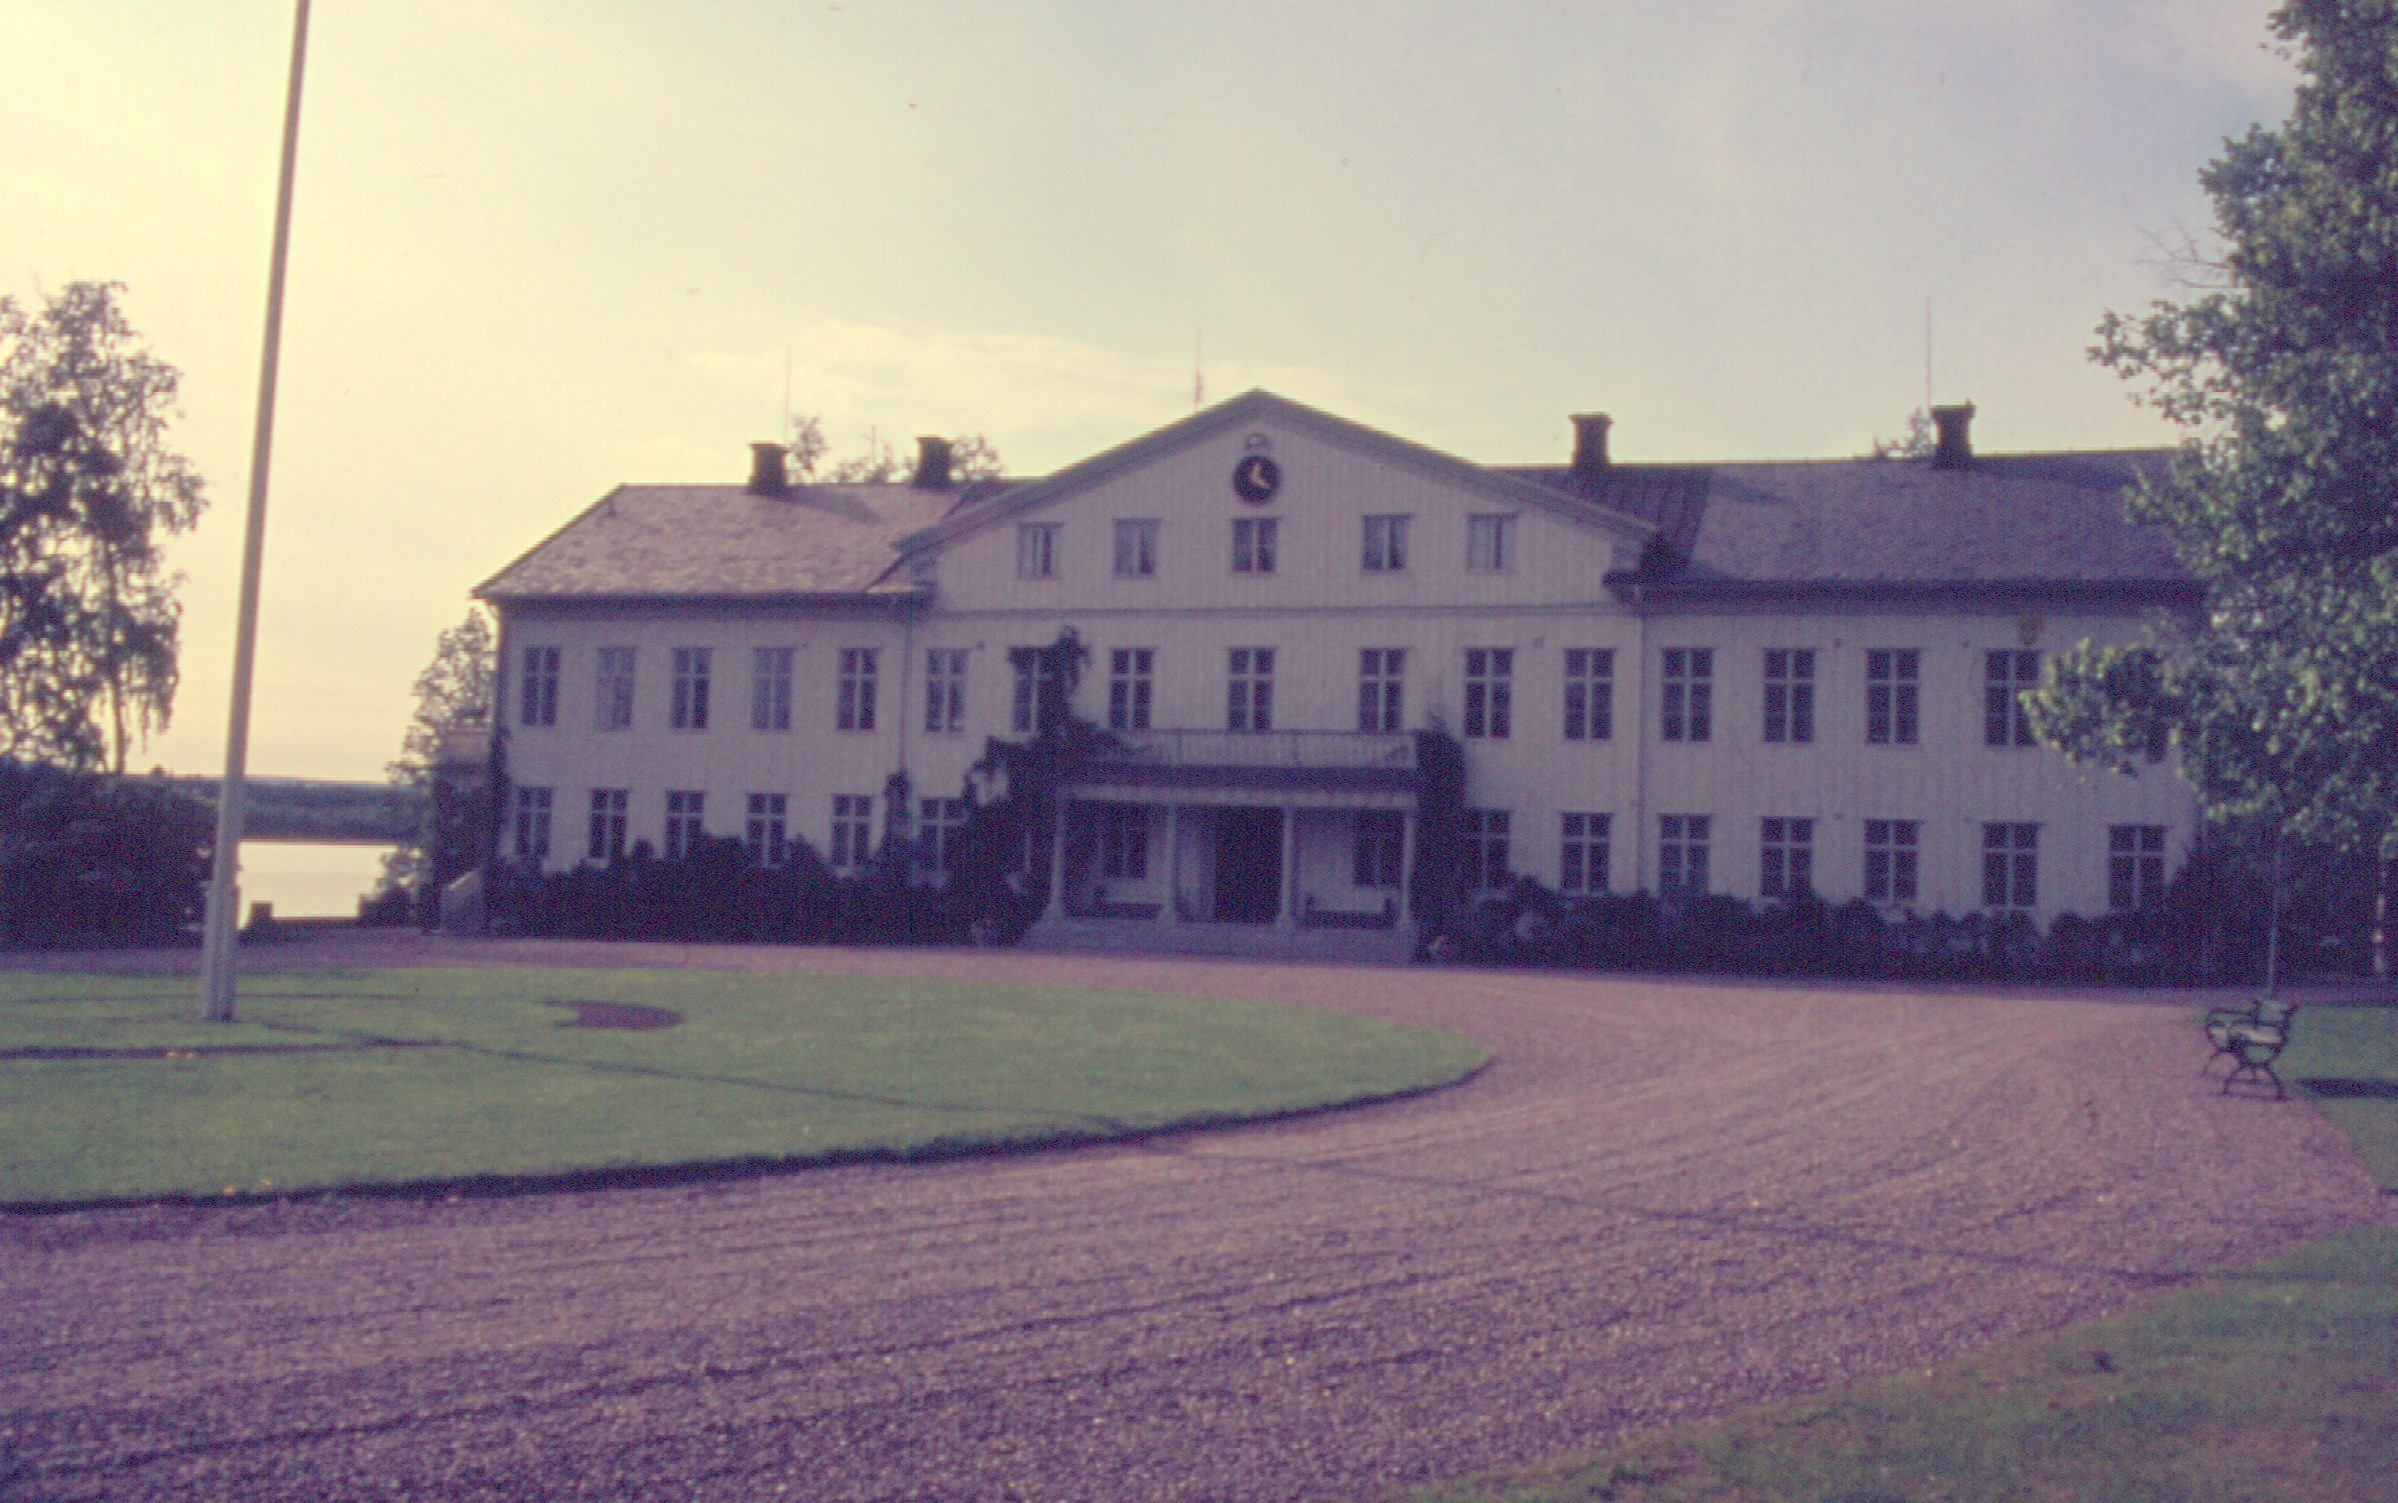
{"x":217,"y":932}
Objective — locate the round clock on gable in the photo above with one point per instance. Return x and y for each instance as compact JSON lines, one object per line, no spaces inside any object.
{"x":1256,"y":478}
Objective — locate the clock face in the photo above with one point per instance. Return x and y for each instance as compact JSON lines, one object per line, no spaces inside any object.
{"x":1256,"y":478}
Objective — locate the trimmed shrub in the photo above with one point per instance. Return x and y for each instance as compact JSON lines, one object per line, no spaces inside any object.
{"x":93,"y":860}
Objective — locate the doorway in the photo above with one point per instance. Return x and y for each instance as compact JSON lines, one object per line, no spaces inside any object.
{"x":1248,"y":865}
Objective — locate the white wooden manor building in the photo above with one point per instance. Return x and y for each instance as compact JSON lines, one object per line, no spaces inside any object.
{"x":1745,"y":678}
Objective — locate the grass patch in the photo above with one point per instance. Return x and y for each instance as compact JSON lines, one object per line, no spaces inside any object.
{"x":2277,"y":1386}
{"x":496,"y":1082}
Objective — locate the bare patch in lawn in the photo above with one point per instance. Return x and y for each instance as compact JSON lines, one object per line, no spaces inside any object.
{"x":631,"y":1015}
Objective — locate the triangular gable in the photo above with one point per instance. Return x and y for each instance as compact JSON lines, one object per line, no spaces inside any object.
{"x":1252,"y":407}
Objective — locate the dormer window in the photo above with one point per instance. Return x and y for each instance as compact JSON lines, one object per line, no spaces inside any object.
{"x":1489,"y":543}
{"x":1136,"y":549}
{"x":1036,"y":550}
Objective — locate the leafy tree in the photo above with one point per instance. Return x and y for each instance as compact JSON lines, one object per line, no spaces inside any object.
{"x":89,"y":490}
{"x":971,"y":457}
{"x":453,"y":700}
{"x":1918,"y":442}
{"x":2282,"y":366}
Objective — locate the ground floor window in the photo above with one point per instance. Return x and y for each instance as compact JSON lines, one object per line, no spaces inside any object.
{"x":2135,"y":867}
{"x":1682,"y":841}
{"x":607,"y":823}
{"x":683,"y":828}
{"x":853,"y":829}
{"x":1891,"y":848}
{"x":1377,"y":850}
{"x":1486,"y":849}
{"x":1786,"y":858}
{"x":533,"y":824}
{"x":1124,"y":841}
{"x":764,"y":837}
{"x":1582,"y":852}
{"x":938,"y":821}
{"x":2010,"y":866}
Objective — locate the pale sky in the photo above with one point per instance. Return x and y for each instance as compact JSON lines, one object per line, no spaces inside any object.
{"x":545,"y":246}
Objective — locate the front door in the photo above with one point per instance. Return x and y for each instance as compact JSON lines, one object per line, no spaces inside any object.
{"x":1248,"y":865}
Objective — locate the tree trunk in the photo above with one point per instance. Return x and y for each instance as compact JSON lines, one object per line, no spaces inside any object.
{"x":2382,"y":869}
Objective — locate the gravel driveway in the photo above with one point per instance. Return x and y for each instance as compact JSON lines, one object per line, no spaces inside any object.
{"x":1662,"y":1200}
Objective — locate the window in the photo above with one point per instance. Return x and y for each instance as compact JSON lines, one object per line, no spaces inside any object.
{"x":1689,"y":704}
{"x":1893,"y":675}
{"x":607,"y":823}
{"x":855,"y":709}
{"x":1790,"y":695}
{"x":2135,"y":867}
{"x":1378,"y":848}
{"x":1485,"y":849}
{"x":691,"y":688}
{"x":1386,"y":545}
{"x":1489,"y":543}
{"x":853,"y":830}
{"x":1036,"y":550}
{"x":1786,"y":858}
{"x":1589,"y":693}
{"x":2005,"y":676}
{"x":1253,"y":540}
{"x":615,"y":697}
{"x":1489,"y":692}
{"x":764,"y":835}
{"x":945,"y":690}
{"x":1039,"y":699}
{"x":533,"y":824}
{"x":1124,"y":841}
{"x":683,"y":830}
{"x":1891,"y":846}
{"x":1582,"y":852}
{"x":1381,"y":688}
{"x":1136,"y":549}
{"x":1682,"y":852}
{"x":1249,"y":697}
{"x":2010,"y":866}
{"x":938,"y":821}
{"x":1128,"y":688}
{"x":539,"y":705}
{"x":770,"y":689}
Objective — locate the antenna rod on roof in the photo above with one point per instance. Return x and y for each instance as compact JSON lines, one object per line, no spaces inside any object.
{"x":1927,"y":354}
{"x":1198,"y":370}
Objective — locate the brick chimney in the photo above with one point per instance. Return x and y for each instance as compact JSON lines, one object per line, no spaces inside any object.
{"x":1590,"y":442}
{"x":1953,"y":449}
{"x":766,"y":477}
{"x":932,"y":463}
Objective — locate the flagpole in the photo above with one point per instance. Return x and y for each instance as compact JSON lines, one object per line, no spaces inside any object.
{"x":218,"y":938}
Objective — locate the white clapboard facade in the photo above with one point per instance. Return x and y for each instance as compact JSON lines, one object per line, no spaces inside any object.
{"x":1743,"y":678}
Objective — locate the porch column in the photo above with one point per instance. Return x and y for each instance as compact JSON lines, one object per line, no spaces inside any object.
{"x":1287,"y":917}
{"x":1170,"y":912}
{"x":1406,"y":865}
{"x":1057,"y":864}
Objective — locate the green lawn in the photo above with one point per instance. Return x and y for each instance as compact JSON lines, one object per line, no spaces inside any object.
{"x":761,"y":1069}
{"x":2277,"y":1386}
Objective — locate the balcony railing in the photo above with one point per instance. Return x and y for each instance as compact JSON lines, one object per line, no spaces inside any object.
{"x":1306,"y":749}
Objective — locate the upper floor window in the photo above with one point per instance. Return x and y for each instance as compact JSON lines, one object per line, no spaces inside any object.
{"x":764,"y":835}
{"x":1036,"y":550}
{"x":691,"y":688}
{"x":1253,"y":542}
{"x":1381,"y":688}
{"x":945,"y":690}
{"x":1490,"y":692}
{"x":539,"y":701}
{"x":1682,"y":842}
{"x":1249,"y":696}
{"x":615,"y":690}
{"x":1487,"y":852}
{"x":1893,"y":680}
{"x":1136,"y":549}
{"x":1039,"y":700}
{"x":1689,"y":694}
{"x":855,"y":709}
{"x":853,"y":830}
{"x":770,"y":689}
{"x":1790,"y":695}
{"x":2010,"y":866}
{"x":1129,"y":685}
{"x":1589,"y":693}
{"x":683,"y":827}
{"x":1786,"y":858}
{"x":1490,"y":543}
{"x":1386,"y":544}
{"x":1892,"y":847}
{"x":2005,"y":677}
{"x":2135,"y":867}
{"x":532,"y":823}
{"x":1582,"y":852}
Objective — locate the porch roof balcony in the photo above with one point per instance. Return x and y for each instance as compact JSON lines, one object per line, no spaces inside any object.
{"x":1294,"y":766}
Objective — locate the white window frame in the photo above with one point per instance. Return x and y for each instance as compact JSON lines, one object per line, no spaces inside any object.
{"x":694,"y":669}
{"x":1893,"y":696}
{"x":1489,"y":693}
{"x":1136,"y":548}
{"x":858,"y":680}
{"x":1490,"y":542}
{"x":1036,"y":550}
{"x":1789,"y":710}
{"x":1131,"y":687}
{"x":533,"y":809}
{"x":1686,"y":697}
{"x":852,"y":843}
{"x":944,"y":691}
{"x":770,"y":688}
{"x":1255,"y":543}
{"x":613,"y":678}
{"x":1381,"y":689}
{"x":765,"y":833}
{"x":686,"y":821}
{"x":1589,"y":693}
{"x":1583,"y":841}
{"x":1684,"y":842}
{"x":537,"y":700}
{"x":1249,"y":689}
{"x":1893,"y":860}
{"x":1383,"y":545}
{"x":1785,"y":857}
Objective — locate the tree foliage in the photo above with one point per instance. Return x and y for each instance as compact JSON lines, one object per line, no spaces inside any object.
{"x":453,"y":700}
{"x":89,"y":491}
{"x":2282,"y":367}
{"x":971,"y":457}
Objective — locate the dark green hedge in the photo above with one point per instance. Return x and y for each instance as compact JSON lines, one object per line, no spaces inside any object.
{"x":87,"y":859}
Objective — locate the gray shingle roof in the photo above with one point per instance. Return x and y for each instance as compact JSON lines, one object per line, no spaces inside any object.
{"x":721,"y":541}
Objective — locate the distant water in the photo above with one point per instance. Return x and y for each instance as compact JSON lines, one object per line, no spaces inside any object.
{"x":305,"y":880}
